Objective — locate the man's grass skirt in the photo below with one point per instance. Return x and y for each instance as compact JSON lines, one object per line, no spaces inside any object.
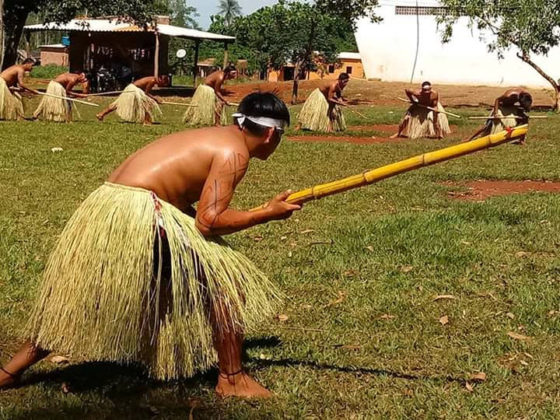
{"x":205,"y":105}
{"x":419,"y":122}
{"x":314,"y":114}
{"x":55,"y":109}
{"x":11,"y":105}
{"x":510,"y":113}
{"x":133,"y":280}
{"x":133,"y":104}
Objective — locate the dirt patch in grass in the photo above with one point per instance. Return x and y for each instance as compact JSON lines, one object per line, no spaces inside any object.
{"x":343,"y":139}
{"x":481,"y":190}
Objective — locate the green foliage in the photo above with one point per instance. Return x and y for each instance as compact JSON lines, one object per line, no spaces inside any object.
{"x":350,"y":10}
{"x":285,"y":32}
{"x":48,"y":72}
{"x":531,"y":25}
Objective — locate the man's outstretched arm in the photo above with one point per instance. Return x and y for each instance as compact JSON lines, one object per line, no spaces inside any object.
{"x":213,"y":215}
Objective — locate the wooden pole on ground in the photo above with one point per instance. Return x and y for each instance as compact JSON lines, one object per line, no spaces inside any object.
{"x":538,"y":117}
{"x":415,"y":162}
{"x":67,"y":99}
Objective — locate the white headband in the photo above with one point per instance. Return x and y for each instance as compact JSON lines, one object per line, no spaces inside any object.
{"x":266,"y":121}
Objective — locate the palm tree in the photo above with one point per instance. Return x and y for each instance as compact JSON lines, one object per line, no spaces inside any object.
{"x":229,"y":9}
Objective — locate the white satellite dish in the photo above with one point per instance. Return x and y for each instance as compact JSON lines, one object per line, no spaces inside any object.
{"x":181,"y":53}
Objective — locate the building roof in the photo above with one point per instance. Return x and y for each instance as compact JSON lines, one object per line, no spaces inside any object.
{"x":112,"y":25}
{"x":53,"y":46}
{"x":349,"y":56}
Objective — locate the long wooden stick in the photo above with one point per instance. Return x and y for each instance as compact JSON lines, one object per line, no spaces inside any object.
{"x":538,"y":117}
{"x":419,"y":161}
{"x":67,"y":99}
{"x":430,"y":108}
{"x":356,"y":112}
{"x":105,"y":93}
{"x":177,"y":103}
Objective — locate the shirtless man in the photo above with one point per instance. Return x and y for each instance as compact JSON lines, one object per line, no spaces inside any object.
{"x":515,"y":102}
{"x":11,"y":82}
{"x":69,"y":80}
{"x":425,"y":96}
{"x":332,"y":93}
{"x":13,"y":75}
{"x":146,"y":84}
{"x":215,"y":81}
{"x":172,"y":173}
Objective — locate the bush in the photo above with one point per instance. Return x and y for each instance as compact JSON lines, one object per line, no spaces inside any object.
{"x":48,"y":72}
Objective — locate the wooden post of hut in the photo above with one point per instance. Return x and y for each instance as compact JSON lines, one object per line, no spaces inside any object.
{"x":225,"y":54}
{"x":195,"y":66}
{"x":156,"y":55}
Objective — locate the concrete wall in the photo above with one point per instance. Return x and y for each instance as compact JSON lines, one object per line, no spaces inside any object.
{"x":388,"y":49}
{"x":56,"y":56}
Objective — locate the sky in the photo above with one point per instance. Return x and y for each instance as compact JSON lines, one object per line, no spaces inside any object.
{"x":206,"y":8}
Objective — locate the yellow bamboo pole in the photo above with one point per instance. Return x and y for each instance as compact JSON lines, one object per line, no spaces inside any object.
{"x":387,"y":171}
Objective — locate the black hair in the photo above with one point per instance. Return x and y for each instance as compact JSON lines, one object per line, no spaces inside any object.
{"x":28,"y":60}
{"x":526,"y":100}
{"x":343,"y":76}
{"x":262,"y":104}
{"x":230,"y":68}
{"x":426,"y":83}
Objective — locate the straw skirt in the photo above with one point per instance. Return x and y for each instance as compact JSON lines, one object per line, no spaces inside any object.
{"x":132,"y":280}
{"x":11,"y":105}
{"x":205,"y":105}
{"x":314,"y":114}
{"x":55,"y":109}
{"x":133,"y":104}
{"x":419,"y":122}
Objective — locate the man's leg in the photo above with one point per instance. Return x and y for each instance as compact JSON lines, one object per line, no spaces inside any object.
{"x":106,"y":111}
{"x":402,"y":126}
{"x":218,"y":113}
{"x":27,"y":356}
{"x":232,"y":379}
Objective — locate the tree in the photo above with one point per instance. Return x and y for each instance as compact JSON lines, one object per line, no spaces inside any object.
{"x":532,"y":27}
{"x":291,"y":32}
{"x":1,"y":32}
{"x":229,"y":10}
{"x":16,"y":12}
{"x":349,"y":10}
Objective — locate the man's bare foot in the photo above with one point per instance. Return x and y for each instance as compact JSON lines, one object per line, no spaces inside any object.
{"x":99,"y":117}
{"x":7,"y":379}
{"x":394,"y":136}
{"x":240,"y":385}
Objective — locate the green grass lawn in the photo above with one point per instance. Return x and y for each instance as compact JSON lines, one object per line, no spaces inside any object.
{"x":363,"y":337}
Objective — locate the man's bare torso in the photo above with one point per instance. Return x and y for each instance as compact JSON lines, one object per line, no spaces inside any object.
{"x":67,"y":80}
{"x":331,"y":87}
{"x":145,"y":83}
{"x":215,"y":79}
{"x":12,"y":75}
{"x":176,"y":166}
{"x":425,"y":99}
{"x":511,"y":96}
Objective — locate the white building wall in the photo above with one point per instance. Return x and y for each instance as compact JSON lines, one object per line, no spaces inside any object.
{"x":388,"y":49}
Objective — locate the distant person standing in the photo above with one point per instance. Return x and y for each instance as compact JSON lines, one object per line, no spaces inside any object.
{"x":56,"y":107}
{"x":419,"y":120}
{"x":321,"y":111}
{"x":136,"y":104}
{"x":208,"y":100}
{"x":509,"y":111}
{"x":11,"y":79}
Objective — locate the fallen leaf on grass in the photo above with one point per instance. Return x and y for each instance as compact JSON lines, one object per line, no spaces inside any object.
{"x":370,"y":248}
{"x":341,"y":298}
{"x":441,"y":297}
{"x":524,"y":363}
{"x":282,"y":318}
{"x":350,"y":273}
{"x":387,"y":316}
{"x":522,"y":254}
{"x":444,"y":320}
{"x":303,"y":232}
{"x":60,"y":360}
{"x":469,"y":387}
{"x":510,"y":315}
{"x":516,"y":336}
{"x":465,"y":242}
{"x":478,"y":377}
{"x":258,"y":238}
{"x":406,"y":268}
{"x":56,"y":149}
